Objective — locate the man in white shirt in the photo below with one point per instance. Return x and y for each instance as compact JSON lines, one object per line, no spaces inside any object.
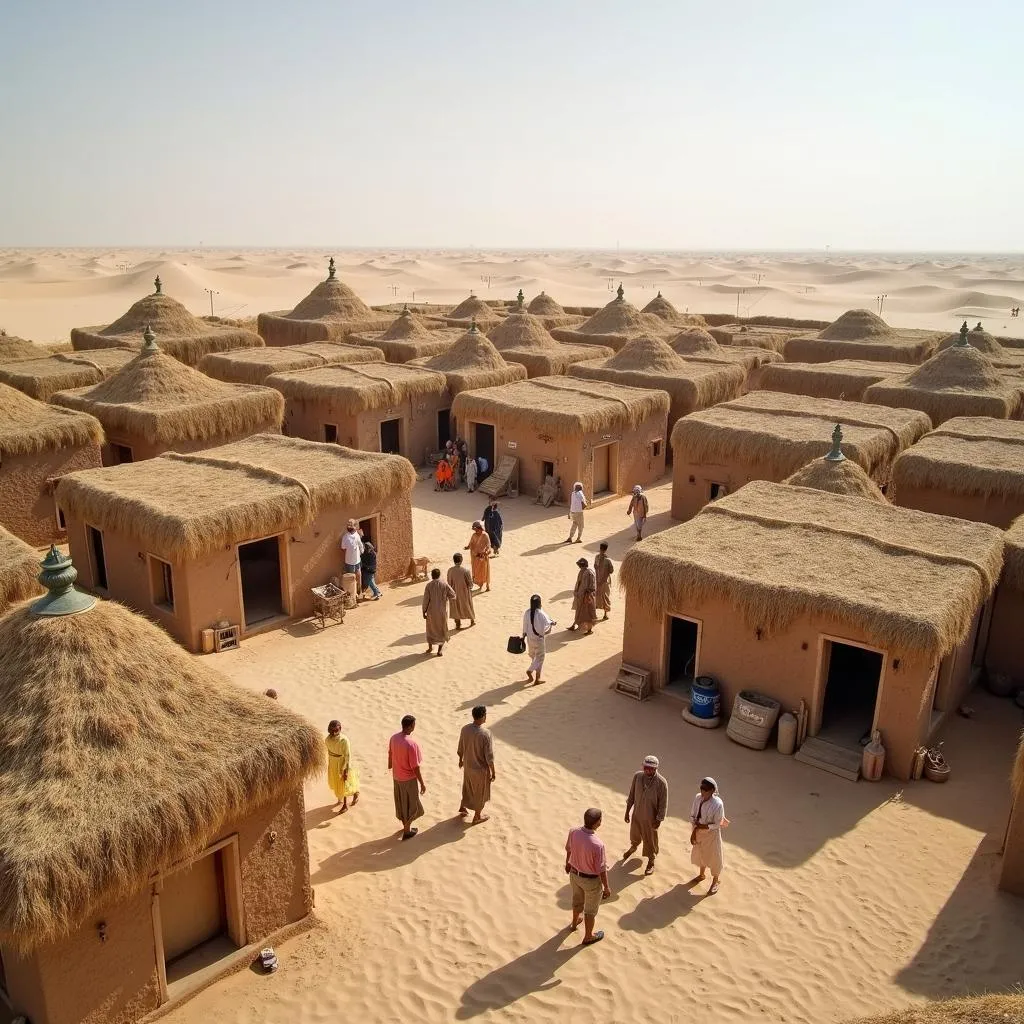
{"x":352,"y":552}
{"x":577,"y":503}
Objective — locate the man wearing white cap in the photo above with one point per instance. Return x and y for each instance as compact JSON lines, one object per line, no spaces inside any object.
{"x":648,"y":803}
{"x":577,"y":503}
{"x":639,"y":506}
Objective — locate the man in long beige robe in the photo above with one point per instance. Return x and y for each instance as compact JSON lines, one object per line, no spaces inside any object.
{"x":436,"y":596}
{"x":584,"y":598}
{"x":461,"y":581}
{"x":603,"y":570}
{"x":647,"y":803}
{"x":476,"y":759}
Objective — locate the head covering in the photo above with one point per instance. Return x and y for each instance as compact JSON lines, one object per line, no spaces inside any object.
{"x":582,"y":563}
{"x":478,"y":525}
{"x":578,"y":485}
{"x":650,"y":761}
{"x":351,"y":524}
{"x":637,"y":488}
{"x":708,"y":781}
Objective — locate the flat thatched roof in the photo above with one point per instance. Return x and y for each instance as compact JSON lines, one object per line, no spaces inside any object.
{"x":28,"y":427}
{"x":162,"y":400}
{"x":780,"y":433}
{"x":1013,"y":568}
{"x":861,"y":334}
{"x":837,"y":477}
{"x":563,"y":406}
{"x":182,"y":507}
{"x":473,"y":362}
{"x":42,"y":377}
{"x":255,"y":365}
{"x":907,"y":580}
{"x":755,"y":335}
{"x":974,"y":455}
{"x":955,"y":382}
{"x":19,"y":567}
{"x":123,"y":756}
{"x":990,"y":1009}
{"x":842,"y":379}
{"x":614,"y":324}
{"x":354,"y":389}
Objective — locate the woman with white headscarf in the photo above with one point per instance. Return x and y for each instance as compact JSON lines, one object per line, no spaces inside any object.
{"x":707,"y":816}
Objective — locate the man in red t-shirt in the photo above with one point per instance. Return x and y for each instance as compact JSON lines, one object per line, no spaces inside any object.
{"x":404,"y":760}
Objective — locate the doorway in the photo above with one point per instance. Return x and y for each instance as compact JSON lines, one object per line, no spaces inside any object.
{"x":483,"y":445}
{"x":683,"y":637}
{"x":193,"y":909}
{"x":330,"y":433}
{"x":852,"y":676}
{"x":259,"y":565}
{"x":603,"y":481}
{"x":444,"y":428}
{"x":368,"y":531}
{"x":99,"y":561}
{"x":391,"y":437}
{"x":121,"y":454}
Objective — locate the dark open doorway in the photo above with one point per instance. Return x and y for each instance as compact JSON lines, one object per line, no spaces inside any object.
{"x":368,"y":530}
{"x":483,"y":444}
{"x":259,"y":564}
{"x":99,"y":561}
{"x":852,"y":675}
{"x":121,"y":454}
{"x":330,"y":433}
{"x":444,"y":427}
{"x":391,"y":437}
{"x":682,"y":655}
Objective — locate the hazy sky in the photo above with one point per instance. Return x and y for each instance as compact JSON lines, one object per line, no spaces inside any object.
{"x":685,"y":124}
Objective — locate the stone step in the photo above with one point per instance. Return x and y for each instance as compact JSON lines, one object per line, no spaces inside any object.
{"x":828,"y":757}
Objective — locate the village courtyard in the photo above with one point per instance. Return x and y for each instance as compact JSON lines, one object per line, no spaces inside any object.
{"x":838,"y":900}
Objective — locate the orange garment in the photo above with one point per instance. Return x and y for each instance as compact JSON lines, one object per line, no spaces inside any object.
{"x":480,"y":549}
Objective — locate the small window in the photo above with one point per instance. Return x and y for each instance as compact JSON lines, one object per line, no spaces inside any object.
{"x":716,"y":491}
{"x":656,"y":447}
{"x":99,"y":559}
{"x":61,"y":521}
{"x":122,"y":454}
{"x":331,"y":433}
{"x":161,"y":578}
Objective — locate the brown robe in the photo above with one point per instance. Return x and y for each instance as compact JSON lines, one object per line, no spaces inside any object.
{"x":648,"y":800}
{"x":461,"y":607}
{"x":476,"y":750}
{"x":480,"y":548}
{"x":603,"y":569}
{"x":584,"y":598}
{"x":436,"y":596}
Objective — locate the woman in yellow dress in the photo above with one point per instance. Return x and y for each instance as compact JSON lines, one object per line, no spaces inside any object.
{"x":342,"y":776}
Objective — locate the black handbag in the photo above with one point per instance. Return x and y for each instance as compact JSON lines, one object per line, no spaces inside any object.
{"x":516,"y":645}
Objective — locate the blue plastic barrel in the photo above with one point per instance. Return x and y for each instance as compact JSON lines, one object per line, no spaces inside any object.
{"x":705,"y":700}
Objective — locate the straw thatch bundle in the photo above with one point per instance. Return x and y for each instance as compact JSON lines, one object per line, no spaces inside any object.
{"x":185,"y":337}
{"x":660,"y":307}
{"x":974,"y":455}
{"x":257,"y":487}
{"x":28,"y":427}
{"x":990,"y":1009}
{"x":562,"y":406}
{"x":1013,"y":576}
{"x":122,"y":757}
{"x":956,"y":382}
{"x":614,"y":325}
{"x":351,"y":390}
{"x":780,"y":433}
{"x":408,"y":337}
{"x":906,"y":580}
{"x":42,"y":378}
{"x":19,"y":567}
{"x":837,"y":477}
{"x":473,"y":362}
{"x":978,"y":338}
{"x":842,"y":379}
{"x":255,"y":365}
{"x":13,"y":348}
{"x":165,"y":402}
{"x":860,"y":334}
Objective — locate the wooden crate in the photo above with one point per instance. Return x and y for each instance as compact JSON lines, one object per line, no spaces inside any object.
{"x":227,"y":639}
{"x":633,"y":682}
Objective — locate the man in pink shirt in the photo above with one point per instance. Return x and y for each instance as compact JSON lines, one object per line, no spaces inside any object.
{"x":404,"y":760}
{"x":587,"y":868}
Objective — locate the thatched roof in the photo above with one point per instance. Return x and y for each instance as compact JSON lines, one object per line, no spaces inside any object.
{"x":122,"y":756}
{"x":974,"y":455}
{"x":841,"y":476}
{"x":692,"y":341}
{"x":19,"y":567}
{"x":354,"y":389}
{"x":1013,"y":568}
{"x":860,"y":334}
{"x":842,"y":379}
{"x":252,"y":488}
{"x":42,"y":377}
{"x":521,"y":331}
{"x":614,"y":324}
{"x":544,"y":305}
{"x":163,"y":401}
{"x":254,"y":365}
{"x":562,"y":406}
{"x":755,"y":335}
{"x":978,"y":338}
{"x":331,"y":299}
{"x":990,"y":1009}
{"x":408,"y":337}
{"x":28,"y":427}
{"x":958,"y":381}
{"x":182,"y":335}
{"x":660,"y":307}
{"x":856,"y":325}
{"x":473,"y":362}
{"x":469,"y":308}
{"x":906,"y":580}
{"x":13,"y":348}
{"x":780,"y":433}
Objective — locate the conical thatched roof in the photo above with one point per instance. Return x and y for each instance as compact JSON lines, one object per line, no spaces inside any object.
{"x":471,"y":307}
{"x":694,"y":341}
{"x":837,"y":477}
{"x":19,"y":567}
{"x":646,"y":354}
{"x":12,"y":348}
{"x":28,"y":427}
{"x":254,"y":365}
{"x":977,"y":338}
{"x":544,"y":305}
{"x":331,"y":299}
{"x":861,"y":334}
{"x":122,"y":756}
{"x":473,"y":362}
{"x":614,"y":325}
{"x":408,"y":337}
{"x":40,"y":378}
{"x":520,"y":331}
{"x":856,"y":325}
{"x":407,"y":326}
{"x":164,"y":401}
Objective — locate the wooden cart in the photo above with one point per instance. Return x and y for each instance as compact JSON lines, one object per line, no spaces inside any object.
{"x":329,"y":602}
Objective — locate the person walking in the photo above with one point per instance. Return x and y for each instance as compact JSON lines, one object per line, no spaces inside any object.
{"x":707,"y":816}
{"x":352,"y":551}
{"x":603,"y":570}
{"x":536,"y":626}
{"x":342,"y":776}
{"x":647,"y":803}
{"x":587,"y":868}
{"x":471,"y":473}
{"x":436,"y":596}
{"x":479,"y":548}
{"x":584,"y":598}
{"x":577,"y":503}
{"x":404,"y":760}
{"x":494,"y":524}
{"x":639,"y":507}
{"x":461,"y":582}
{"x":368,"y":563}
{"x":476,"y":759}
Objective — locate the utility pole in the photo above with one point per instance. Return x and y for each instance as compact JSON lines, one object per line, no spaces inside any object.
{"x":738,"y":294}
{"x":881,"y":302}
{"x":211,"y":293}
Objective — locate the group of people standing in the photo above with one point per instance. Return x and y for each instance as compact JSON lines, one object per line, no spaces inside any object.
{"x":456,"y":467}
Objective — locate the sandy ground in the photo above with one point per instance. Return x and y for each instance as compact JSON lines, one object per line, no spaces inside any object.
{"x":44,"y":293}
{"x":838,"y":899}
